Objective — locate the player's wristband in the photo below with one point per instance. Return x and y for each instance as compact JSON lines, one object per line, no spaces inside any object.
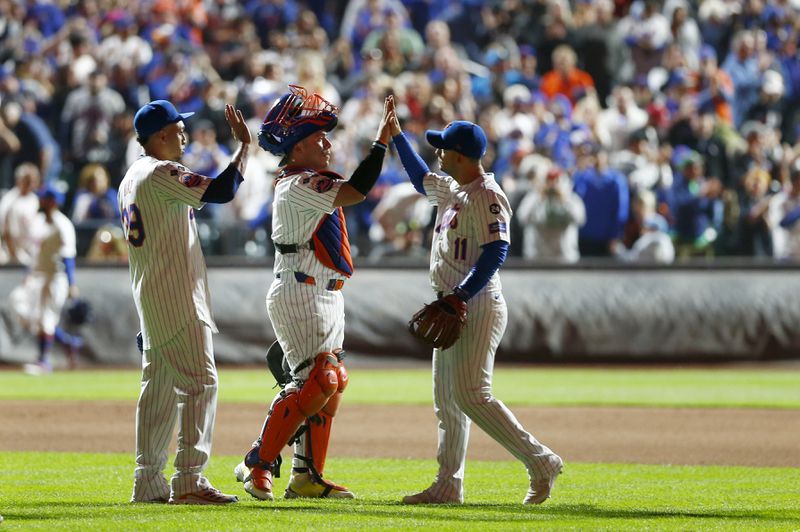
{"x":461,"y":294}
{"x":367,"y":173}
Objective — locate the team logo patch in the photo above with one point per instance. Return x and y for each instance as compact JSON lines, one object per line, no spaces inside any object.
{"x":494,"y":208}
{"x":497,"y":227}
{"x":322,"y":184}
{"x":190,"y":179}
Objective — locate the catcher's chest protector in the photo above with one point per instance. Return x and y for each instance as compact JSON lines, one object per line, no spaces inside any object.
{"x":332,"y":245}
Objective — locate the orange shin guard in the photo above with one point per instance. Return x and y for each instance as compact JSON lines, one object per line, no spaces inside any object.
{"x":283,"y":421}
{"x":289,"y":411}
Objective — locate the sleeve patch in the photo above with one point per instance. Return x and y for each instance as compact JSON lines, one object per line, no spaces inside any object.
{"x":494,"y":208}
{"x":190,"y":179}
{"x":498,"y":227}
{"x":321,"y":183}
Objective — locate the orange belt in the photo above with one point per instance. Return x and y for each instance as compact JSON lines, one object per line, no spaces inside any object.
{"x":333,"y":284}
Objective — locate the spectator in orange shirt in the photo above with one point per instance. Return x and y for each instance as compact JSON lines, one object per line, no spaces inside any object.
{"x":713,"y":86}
{"x":566,"y":78}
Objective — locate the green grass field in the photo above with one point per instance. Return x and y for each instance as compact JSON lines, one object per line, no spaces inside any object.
{"x":544,"y":386}
{"x":61,"y":491}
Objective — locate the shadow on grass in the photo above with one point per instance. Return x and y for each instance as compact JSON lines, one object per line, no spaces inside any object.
{"x":453,"y":513}
{"x":488,"y":512}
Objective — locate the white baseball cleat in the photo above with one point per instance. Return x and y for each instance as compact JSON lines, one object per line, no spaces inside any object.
{"x":540,"y":488}
{"x":37,"y":369}
{"x":257,"y":481}
{"x":241,"y":471}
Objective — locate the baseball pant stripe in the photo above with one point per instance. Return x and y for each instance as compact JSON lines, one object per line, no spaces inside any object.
{"x":183,"y":369}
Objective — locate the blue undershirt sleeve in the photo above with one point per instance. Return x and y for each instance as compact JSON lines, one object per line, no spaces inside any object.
{"x":224,"y":187}
{"x":69,"y":269}
{"x":790,"y":218}
{"x":492,"y":257}
{"x":412,"y":162}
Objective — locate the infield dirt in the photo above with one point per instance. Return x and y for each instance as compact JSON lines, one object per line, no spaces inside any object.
{"x":748,"y":437}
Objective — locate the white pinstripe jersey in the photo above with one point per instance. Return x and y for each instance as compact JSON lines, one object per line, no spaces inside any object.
{"x":468,"y":217}
{"x":299,"y":203}
{"x":168,"y":271}
{"x":55,"y":242}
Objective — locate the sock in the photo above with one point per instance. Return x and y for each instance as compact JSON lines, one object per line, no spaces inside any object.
{"x":45,"y":345}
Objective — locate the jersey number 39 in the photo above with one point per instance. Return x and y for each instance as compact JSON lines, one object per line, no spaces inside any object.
{"x":133,"y":224}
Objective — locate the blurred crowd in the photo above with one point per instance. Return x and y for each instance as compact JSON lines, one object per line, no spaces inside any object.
{"x":650,"y":130}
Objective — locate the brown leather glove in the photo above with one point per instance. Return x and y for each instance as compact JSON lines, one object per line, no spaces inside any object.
{"x":440,"y":322}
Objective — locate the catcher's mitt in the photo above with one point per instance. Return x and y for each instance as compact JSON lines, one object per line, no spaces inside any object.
{"x":439,"y":323}
{"x":79,"y":312}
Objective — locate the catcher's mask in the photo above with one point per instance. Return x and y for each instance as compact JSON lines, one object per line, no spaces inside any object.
{"x":294,"y":117}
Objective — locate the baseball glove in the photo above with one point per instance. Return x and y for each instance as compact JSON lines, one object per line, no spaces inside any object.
{"x":79,"y":312}
{"x":439,"y":323}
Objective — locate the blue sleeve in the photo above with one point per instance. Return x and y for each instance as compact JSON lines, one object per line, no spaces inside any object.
{"x":492,"y":257}
{"x":790,"y":218}
{"x":624,"y":199}
{"x":412,"y":162}
{"x":224,"y":187}
{"x":69,"y":269}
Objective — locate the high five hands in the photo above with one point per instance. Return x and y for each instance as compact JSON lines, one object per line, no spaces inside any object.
{"x":390,"y":125}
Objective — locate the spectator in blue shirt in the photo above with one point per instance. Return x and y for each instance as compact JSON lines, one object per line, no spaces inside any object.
{"x":696,"y":206}
{"x":743,"y":67}
{"x":95,"y":201}
{"x":605,"y":194}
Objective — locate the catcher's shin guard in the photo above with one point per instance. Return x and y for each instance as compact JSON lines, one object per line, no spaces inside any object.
{"x":289,"y":411}
{"x":317,"y":432}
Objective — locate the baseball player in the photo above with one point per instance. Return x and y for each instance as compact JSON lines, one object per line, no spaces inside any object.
{"x":470,"y":243}
{"x":18,"y":208}
{"x":304,"y":302}
{"x":157,"y":198}
{"x":51,"y":281}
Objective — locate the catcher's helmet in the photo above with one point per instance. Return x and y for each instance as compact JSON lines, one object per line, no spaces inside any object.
{"x":295,"y":116}
{"x":79,"y":312}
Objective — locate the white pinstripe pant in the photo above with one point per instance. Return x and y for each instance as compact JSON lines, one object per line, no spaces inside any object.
{"x":179,"y":380}
{"x":462,"y":389}
{"x":307,"y":320}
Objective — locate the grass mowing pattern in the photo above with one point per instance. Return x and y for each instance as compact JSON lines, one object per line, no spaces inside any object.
{"x":50,"y":491}
{"x":515,"y":386}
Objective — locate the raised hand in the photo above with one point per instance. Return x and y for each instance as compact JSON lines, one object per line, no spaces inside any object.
{"x":238,"y":126}
{"x":394,"y":123}
{"x":384,"y":130}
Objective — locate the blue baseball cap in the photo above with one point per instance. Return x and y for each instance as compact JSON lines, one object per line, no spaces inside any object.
{"x":155,"y":116}
{"x":51,"y":191}
{"x":464,"y":137}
